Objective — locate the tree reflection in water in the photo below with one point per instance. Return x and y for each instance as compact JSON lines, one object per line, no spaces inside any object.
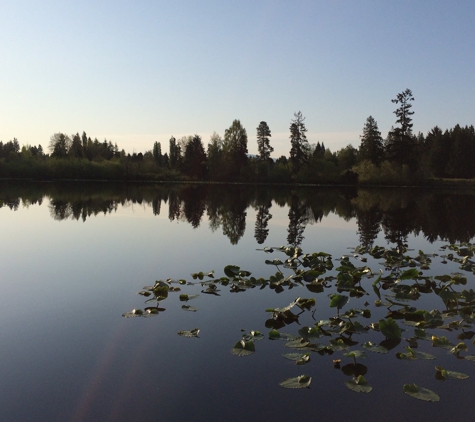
{"x":397,"y":213}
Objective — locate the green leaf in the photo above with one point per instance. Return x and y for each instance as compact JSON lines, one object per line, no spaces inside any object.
{"x":389,"y":328}
{"x":243,"y":348}
{"x":297,"y":344}
{"x":413,"y":355}
{"x":355,"y":354}
{"x":338,"y":344}
{"x":133,"y":314}
{"x":410,"y":274}
{"x":231,"y":270}
{"x":458,"y":348}
{"x":374,"y":347}
{"x":306,"y":303}
{"x":302,"y":381}
{"x":359,"y":384}
{"x":441,"y":342}
{"x":338,"y":301}
{"x":421,"y":334}
{"x":274,"y":262}
{"x":286,"y":308}
{"x":189,"y":308}
{"x":253,"y":336}
{"x":276,"y":335}
{"x":189,"y":333}
{"x":470,"y":357}
{"x":312,"y":333}
{"x":420,"y":393}
{"x":185,"y":297}
{"x":298,"y":358}
{"x":450,"y":374}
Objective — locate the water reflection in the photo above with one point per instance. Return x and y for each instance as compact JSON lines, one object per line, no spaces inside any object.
{"x":397,"y":213}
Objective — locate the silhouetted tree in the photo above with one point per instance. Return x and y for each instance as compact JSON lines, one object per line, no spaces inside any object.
{"x":216,"y":165}
{"x":174,"y":156}
{"x":235,"y":147}
{"x":400,"y":145}
{"x":157,"y":153}
{"x":194,"y":160}
{"x":299,"y":145}
{"x":371,"y":147}
{"x":76,"y":149}
{"x":263,"y":142}
{"x":59,"y":145}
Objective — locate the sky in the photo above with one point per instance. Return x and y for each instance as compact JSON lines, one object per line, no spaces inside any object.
{"x":137,"y":72}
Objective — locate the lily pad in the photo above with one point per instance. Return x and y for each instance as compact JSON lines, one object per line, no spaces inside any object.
{"x":444,"y":374}
{"x":297,"y":344}
{"x":338,"y":301}
{"x":243,"y":348}
{"x":302,"y":381}
{"x":253,"y":336}
{"x":413,"y":355}
{"x":420,"y":393}
{"x":284,"y":309}
{"x":359,"y":384}
{"x":133,"y":314}
{"x":374,"y":347}
{"x":189,"y":308}
{"x":298,"y":358}
{"x":441,"y":342}
{"x":357,"y":354}
{"x":276,"y":335}
{"x":389,"y":328}
{"x":189,"y":333}
{"x":185,"y":297}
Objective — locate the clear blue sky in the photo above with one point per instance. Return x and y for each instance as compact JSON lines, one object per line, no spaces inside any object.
{"x":136,"y":72}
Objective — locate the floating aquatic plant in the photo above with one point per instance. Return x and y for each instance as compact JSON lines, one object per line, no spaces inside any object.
{"x":397,"y":286}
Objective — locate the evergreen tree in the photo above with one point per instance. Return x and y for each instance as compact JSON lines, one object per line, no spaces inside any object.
{"x":174,"y":156}
{"x":263,"y":143}
{"x":401,"y":145}
{"x":76,"y":150}
{"x":371,"y":147}
{"x":462,"y":153}
{"x":157,"y":153}
{"x":215,"y":157}
{"x":195,"y":158}
{"x":59,"y":145}
{"x":319,"y":151}
{"x":299,"y":145}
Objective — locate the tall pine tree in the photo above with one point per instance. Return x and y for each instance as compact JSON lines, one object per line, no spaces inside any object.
{"x":401,"y":144}
{"x":371,"y":147}
{"x":263,"y":143}
{"x":300,"y":148}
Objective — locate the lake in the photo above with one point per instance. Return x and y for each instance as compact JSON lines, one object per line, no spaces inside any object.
{"x":74,"y":258}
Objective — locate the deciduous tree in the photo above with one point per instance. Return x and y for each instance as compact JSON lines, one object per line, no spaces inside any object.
{"x":235,"y":147}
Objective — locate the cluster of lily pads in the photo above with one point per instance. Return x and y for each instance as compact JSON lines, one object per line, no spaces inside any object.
{"x":398,"y":284}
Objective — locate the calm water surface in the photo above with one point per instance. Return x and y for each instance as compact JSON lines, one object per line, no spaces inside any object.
{"x":74,"y":257}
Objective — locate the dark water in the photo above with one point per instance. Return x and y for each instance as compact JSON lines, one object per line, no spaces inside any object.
{"x":74,"y":257}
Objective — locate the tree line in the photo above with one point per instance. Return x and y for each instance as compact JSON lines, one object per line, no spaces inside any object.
{"x":401,"y":158}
